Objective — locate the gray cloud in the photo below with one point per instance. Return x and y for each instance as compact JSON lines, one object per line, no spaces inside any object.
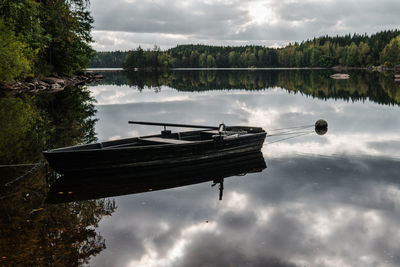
{"x":213,"y":250}
{"x":239,"y":221}
{"x":390,"y":147}
{"x":165,"y":16}
{"x":120,"y":240}
{"x":234,"y":22}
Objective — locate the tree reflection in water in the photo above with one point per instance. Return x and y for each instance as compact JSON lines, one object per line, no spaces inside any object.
{"x":362,"y":85}
{"x":33,"y":233}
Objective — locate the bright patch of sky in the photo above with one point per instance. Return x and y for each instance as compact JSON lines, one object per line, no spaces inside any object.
{"x":126,"y":24}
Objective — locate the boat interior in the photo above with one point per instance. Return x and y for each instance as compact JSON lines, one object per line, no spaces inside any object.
{"x":166,"y":137}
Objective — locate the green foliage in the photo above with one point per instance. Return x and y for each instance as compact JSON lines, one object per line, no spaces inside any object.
{"x":41,"y":37}
{"x":22,"y":17}
{"x":151,"y":59}
{"x":16,"y":56}
{"x":391,"y":53}
{"x":68,"y":26}
{"x":195,"y":56}
{"x":113,"y":59}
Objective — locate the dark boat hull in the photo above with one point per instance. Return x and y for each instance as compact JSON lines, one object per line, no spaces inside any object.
{"x":107,"y":160}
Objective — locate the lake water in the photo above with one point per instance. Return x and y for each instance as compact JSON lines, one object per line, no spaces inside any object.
{"x":323,"y":200}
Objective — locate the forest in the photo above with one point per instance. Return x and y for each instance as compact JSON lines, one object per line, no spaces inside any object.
{"x":380,"y":49}
{"x":45,"y":37}
{"x":39,"y":38}
{"x":113,"y":59}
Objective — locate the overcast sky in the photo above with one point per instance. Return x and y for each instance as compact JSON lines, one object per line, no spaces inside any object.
{"x":125,"y":24}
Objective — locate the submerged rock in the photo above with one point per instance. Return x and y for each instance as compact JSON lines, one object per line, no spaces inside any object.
{"x":52,"y":80}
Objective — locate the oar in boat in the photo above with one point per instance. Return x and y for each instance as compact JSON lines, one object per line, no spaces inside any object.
{"x":175,"y":125}
{"x":221,"y":128}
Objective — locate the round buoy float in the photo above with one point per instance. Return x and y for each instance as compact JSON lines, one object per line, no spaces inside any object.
{"x":321,"y":127}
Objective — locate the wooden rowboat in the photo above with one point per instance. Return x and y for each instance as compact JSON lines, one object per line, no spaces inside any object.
{"x":154,"y":151}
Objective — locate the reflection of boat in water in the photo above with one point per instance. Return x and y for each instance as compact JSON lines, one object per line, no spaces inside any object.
{"x":84,"y":186}
{"x":158,"y":150}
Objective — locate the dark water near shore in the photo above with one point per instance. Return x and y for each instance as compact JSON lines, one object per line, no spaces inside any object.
{"x":331,"y":200}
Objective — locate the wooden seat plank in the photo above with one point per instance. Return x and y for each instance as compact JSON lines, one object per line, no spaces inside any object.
{"x":211,"y":132}
{"x":166,"y":140}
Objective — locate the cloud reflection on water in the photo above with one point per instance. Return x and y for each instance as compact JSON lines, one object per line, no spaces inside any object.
{"x":354,"y":128}
{"x":331,"y":200}
{"x":301,"y":211}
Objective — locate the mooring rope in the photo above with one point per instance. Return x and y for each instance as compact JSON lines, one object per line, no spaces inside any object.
{"x":18,"y":165}
{"x":36,"y":166}
{"x":297,"y":135}
{"x":290,"y":128}
{"x":286,"y":133}
{"x":296,"y":131}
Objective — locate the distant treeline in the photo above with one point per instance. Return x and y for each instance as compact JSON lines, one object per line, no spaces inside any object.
{"x":114,"y":59}
{"x":382,"y":48}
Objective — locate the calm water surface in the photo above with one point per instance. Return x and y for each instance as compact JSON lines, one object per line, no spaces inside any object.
{"x":331,"y":200}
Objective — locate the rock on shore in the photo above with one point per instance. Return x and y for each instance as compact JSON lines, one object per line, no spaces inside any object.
{"x":340,"y":76}
{"x":52,"y":83}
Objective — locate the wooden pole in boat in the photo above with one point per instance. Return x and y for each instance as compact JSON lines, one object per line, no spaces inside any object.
{"x":173,"y":125}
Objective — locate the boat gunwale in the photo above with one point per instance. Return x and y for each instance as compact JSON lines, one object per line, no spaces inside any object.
{"x":157,"y":145}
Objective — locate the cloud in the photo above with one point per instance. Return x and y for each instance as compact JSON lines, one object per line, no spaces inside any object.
{"x":272,"y":22}
{"x":171,"y":17}
{"x":211,"y":250}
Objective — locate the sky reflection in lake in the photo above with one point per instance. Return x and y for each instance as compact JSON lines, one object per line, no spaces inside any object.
{"x":329,"y":200}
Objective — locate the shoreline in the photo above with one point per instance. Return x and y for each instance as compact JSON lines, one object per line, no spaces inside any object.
{"x":335,"y":68}
{"x":55,"y":83}
{"x":50,"y":84}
